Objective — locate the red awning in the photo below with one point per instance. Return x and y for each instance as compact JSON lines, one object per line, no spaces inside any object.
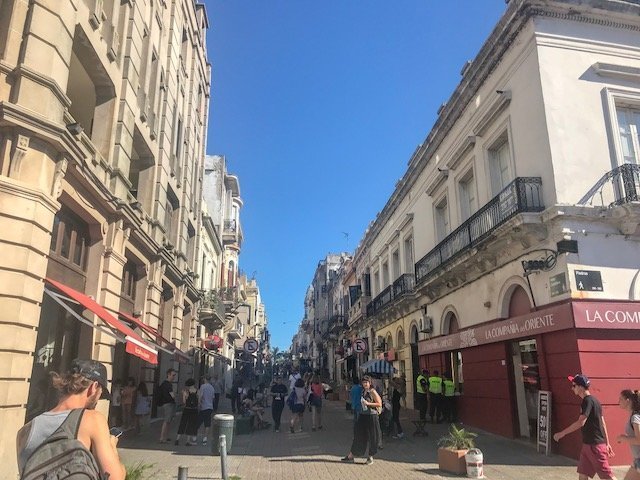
{"x":134,"y":344}
{"x":155,"y":336}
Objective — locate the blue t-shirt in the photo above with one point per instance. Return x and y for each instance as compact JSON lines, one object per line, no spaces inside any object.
{"x":356,"y":393}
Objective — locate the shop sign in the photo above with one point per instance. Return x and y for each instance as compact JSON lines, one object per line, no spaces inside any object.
{"x":608,"y":315}
{"x":544,"y":421}
{"x":534,"y":323}
{"x":558,"y":285}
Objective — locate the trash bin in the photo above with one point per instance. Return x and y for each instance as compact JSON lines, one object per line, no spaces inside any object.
{"x":222,"y":425}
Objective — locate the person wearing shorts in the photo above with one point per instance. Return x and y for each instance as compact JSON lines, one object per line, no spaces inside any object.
{"x":167,"y":404}
{"x":596,"y":450}
{"x":206,"y":405}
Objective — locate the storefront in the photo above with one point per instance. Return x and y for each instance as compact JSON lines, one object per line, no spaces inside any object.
{"x":501,"y":366}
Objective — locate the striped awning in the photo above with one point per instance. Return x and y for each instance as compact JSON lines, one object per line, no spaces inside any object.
{"x":378,"y":366}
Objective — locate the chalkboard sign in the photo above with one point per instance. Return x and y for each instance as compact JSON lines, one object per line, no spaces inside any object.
{"x":544,"y":421}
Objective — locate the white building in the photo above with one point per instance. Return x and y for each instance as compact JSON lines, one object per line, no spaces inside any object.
{"x":535,"y":159}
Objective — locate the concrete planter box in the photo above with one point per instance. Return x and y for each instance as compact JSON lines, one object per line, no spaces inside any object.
{"x":452,"y":461}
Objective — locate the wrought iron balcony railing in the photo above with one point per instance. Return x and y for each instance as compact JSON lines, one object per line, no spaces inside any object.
{"x":524,"y":194}
{"x":620,"y":185}
{"x":404,"y":284}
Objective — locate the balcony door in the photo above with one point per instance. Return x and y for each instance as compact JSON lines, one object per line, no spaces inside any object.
{"x":628,"y":129}
{"x":499,"y":160}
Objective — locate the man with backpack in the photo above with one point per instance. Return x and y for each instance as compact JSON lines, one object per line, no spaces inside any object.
{"x":72,"y":440}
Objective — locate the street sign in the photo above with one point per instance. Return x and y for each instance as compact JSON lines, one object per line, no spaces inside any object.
{"x":558,"y":284}
{"x":544,"y":421}
{"x":360,"y":345}
{"x":588,"y":280}
{"x":251,"y":345}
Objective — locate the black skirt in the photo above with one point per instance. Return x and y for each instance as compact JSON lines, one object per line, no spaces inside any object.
{"x":189,"y":422}
{"x":365,"y":435}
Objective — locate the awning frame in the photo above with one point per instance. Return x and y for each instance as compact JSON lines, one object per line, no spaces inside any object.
{"x":133,"y":345}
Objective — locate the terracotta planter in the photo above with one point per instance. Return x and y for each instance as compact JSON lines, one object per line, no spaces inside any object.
{"x":452,"y":461}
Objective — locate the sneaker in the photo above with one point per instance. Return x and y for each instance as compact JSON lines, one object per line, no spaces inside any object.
{"x":299,"y":431}
{"x":277,"y":430}
{"x":398,"y":436}
{"x":369,"y":460}
{"x":347,"y":459}
{"x":189,"y":444}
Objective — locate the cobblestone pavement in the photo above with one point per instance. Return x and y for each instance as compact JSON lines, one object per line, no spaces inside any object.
{"x":267,"y":455}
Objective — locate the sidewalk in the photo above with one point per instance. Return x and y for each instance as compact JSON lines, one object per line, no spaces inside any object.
{"x":266,"y":455}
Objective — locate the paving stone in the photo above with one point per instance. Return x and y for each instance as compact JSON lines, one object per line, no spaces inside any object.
{"x":266,"y":455}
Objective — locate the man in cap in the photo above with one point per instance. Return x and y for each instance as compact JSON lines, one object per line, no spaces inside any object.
{"x":596,"y":450}
{"x":80,"y":388}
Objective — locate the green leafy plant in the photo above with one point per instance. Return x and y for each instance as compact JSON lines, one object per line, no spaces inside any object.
{"x":458,"y":439}
{"x":139,"y":471}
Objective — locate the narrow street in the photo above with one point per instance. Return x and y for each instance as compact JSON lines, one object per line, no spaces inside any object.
{"x":266,"y":455}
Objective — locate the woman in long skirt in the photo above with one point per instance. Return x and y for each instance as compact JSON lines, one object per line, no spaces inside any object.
{"x":366,"y":433}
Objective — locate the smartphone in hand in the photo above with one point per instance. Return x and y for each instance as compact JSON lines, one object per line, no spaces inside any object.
{"x":116,"y":432}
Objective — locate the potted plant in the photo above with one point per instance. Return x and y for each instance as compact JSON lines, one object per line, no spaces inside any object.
{"x":453,"y":447}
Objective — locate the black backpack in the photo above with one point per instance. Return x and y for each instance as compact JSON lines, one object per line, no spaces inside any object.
{"x":62,"y":456}
{"x":192,"y":401}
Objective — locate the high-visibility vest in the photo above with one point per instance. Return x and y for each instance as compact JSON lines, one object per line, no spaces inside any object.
{"x":419,"y":387}
{"x":435,"y":384}
{"x":449,"y":388}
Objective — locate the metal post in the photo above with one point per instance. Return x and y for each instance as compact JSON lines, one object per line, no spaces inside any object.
{"x":183,"y":473}
{"x":223,"y":457}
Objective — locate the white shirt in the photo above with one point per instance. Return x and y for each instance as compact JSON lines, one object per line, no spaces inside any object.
{"x":292,"y":380}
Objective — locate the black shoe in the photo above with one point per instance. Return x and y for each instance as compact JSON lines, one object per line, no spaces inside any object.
{"x":347,"y":459}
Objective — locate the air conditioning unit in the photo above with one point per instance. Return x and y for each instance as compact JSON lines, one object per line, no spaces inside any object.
{"x":426,"y":324}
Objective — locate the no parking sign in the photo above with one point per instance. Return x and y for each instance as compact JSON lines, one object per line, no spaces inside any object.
{"x":360,"y":345}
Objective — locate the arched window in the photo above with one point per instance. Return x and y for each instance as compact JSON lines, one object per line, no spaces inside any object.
{"x":414,"y":334}
{"x":400,"y":342}
{"x":389,"y":342}
{"x":450,"y":324}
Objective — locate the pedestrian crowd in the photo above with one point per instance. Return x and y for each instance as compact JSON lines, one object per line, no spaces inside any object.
{"x":74,"y":438}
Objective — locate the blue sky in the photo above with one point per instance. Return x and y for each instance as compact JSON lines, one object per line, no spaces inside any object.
{"x":318,"y":106}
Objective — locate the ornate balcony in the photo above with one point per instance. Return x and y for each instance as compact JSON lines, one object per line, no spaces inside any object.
{"x":522,"y":195}
{"x":617,"y":187}
{"x":211,"y":313}
{"x":402,"y":286}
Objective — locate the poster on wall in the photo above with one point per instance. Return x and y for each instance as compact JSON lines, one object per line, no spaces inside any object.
{"x":544,"y":421}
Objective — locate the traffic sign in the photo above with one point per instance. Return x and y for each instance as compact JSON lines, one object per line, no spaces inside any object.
{"x":360,"y":345}
{"x":251,"y":345}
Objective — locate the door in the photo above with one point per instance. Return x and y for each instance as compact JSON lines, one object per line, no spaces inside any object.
{"x":526,"y":376}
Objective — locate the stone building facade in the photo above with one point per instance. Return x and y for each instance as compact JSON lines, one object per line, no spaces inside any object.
{"x":103,"y":120}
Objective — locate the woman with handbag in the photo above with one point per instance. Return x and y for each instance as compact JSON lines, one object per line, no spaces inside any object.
{"x":315,"y":400}
{"x":366,"y":434}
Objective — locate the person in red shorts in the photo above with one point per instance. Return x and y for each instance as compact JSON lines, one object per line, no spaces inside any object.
{"x":596,"y":450}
